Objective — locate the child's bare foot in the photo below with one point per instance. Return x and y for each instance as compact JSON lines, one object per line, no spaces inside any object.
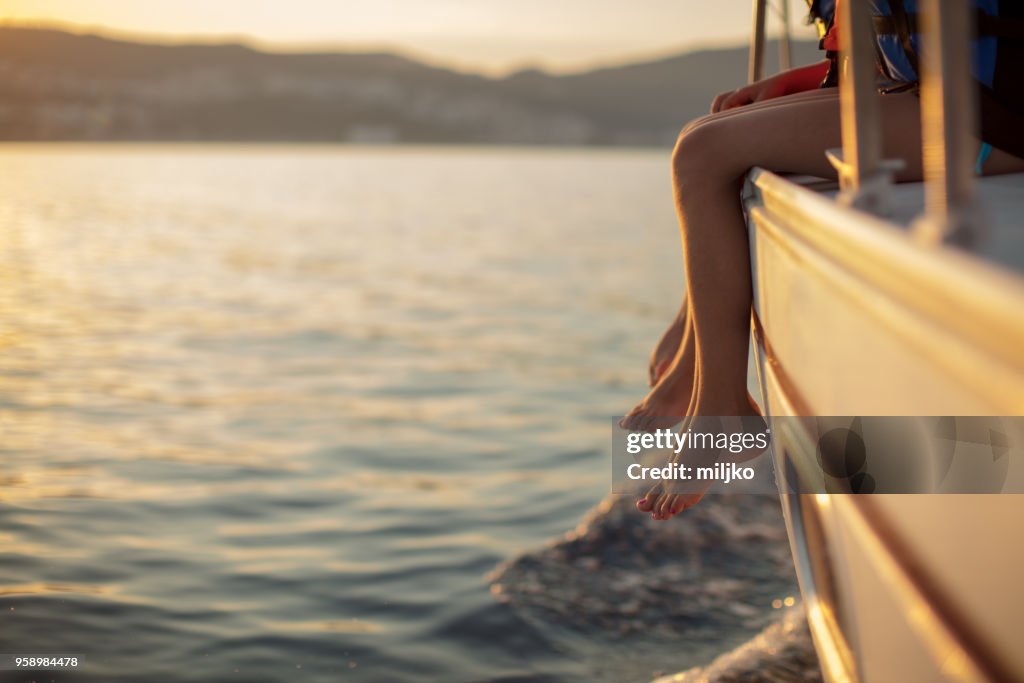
{"x":665,"y":406}
{"x":663,"y":504}
{"x":650,"y":499}
{"x":665,"y":350}
{"x":668,"y":505}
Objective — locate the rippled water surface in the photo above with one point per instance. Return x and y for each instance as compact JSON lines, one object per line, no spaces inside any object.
{"x":274,"y":413}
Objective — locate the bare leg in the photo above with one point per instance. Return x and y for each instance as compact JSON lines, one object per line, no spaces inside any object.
{"x":678,"y":332}
{"x":675,"y":383}
{"x":709,"y":163}
{"x":668,"y":402}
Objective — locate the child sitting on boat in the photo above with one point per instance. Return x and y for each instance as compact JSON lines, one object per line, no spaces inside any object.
{"x":784,"y":124}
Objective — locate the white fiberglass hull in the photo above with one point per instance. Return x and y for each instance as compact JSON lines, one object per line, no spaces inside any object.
{"x":853,"y":318}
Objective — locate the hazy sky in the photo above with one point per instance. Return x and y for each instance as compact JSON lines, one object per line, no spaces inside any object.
{"x":480,"y":34}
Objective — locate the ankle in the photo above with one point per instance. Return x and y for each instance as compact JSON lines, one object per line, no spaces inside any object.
{"x":724,"y":405}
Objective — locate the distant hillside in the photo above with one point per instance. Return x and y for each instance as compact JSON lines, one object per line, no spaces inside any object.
{"x":62,"y":86}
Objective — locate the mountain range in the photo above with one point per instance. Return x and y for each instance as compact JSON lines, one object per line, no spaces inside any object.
{"x":56,"y":85}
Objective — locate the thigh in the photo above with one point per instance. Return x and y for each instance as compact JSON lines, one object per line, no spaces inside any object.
{"x":786,"y":100}
{"x":792,"y":137}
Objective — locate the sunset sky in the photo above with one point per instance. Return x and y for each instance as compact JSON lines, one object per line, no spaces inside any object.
{"x":493,"y":35}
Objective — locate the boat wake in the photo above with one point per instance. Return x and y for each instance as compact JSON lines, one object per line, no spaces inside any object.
{"x":781,"y":653}
{"x":638,"y":598}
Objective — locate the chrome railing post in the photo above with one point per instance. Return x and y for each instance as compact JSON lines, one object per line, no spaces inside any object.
{"x":755,"y":71}
{"x":785,"y":46}
{"x":948,"y":116}
{"x":864,"y":177}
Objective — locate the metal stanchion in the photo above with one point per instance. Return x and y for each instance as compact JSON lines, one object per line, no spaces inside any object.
{"x":948,"y":117}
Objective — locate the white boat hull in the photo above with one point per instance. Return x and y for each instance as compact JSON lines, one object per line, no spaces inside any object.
{"x":851,"y":317}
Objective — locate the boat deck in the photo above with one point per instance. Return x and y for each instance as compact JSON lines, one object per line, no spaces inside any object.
{"x":1003,"y":198}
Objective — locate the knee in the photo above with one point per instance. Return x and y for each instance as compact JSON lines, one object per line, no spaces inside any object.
{"x":694,"y":157}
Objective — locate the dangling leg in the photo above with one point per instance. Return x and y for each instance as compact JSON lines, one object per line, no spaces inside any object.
{"x":709,"y":164}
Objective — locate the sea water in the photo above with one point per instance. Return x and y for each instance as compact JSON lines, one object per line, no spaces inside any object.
{"x":278,"y":413}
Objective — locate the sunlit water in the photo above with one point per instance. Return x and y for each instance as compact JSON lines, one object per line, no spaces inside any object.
{"x":273,"y":413}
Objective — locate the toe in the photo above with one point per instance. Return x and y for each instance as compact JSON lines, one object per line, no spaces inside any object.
{"x":686,"y":502}
{"x":676,"y":505}
{"x":665,"y":506}
{"x":647,"y":503}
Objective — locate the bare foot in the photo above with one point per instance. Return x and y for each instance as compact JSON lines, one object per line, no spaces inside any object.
{"x":669,"y":504}
{"x":650,"y":499}
{"x":665,"y":350}
{"x":664,"y":506}
{"x":666,"y":404}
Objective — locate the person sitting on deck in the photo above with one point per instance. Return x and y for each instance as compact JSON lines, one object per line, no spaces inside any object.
{"x":784,"y":124}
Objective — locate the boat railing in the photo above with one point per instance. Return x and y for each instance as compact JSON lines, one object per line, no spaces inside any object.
{"x":785,"y":45}
{"x":948,"y":125}
{"x":755,"y":71}
{"x":864,"y":176}
{"x":952,"y":211}
{"x":758,"y":38}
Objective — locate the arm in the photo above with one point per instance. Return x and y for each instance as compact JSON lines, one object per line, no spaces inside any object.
{"x":786,"y":83}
